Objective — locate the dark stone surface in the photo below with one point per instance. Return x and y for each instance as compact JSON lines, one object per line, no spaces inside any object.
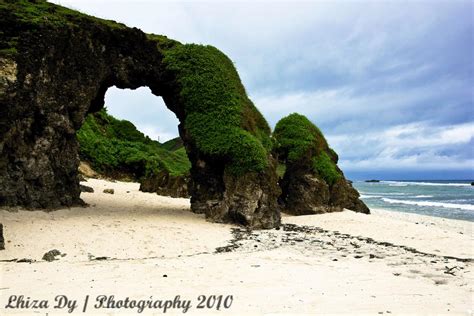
{"x":58,"y":76}
{"x":85,"y":188}
{"x":2,"y":239}
{"x":51,"y":255}
{"x":345,"y":196}
{"x":305,"y":192}
{"x":166,"y":184}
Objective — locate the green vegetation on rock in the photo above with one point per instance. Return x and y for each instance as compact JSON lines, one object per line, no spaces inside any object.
{"x":323,"y":164}
{"x":299,"y":141}
{"x":116,"y":147}
{"x":217,"y":107}
{"x":36,"y":13}
{"x":295,"y":136}
{"x":42,"y":12}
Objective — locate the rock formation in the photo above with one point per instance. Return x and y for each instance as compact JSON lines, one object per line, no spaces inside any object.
{"x":312,"y":182}
{"x":56,"y":66}
{"x":166,"y":184}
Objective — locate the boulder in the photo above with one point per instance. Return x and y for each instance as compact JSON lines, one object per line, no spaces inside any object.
{"x":51,"y":255}
{"x":85,"y":188}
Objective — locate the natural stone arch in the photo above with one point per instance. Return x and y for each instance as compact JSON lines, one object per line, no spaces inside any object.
{"x":57,"y":65}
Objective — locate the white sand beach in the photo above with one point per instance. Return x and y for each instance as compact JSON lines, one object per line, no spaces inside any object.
{"x":141,"y":245}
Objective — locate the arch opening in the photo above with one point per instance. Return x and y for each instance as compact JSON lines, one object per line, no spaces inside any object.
{"x":122,"y":141}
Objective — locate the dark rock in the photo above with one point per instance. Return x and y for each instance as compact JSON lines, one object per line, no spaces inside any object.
{"x":375,"y":181}
{"x":345,"y":196}
{"x":472,"y":183}
{"x":305,"y":193}
{"x":59,"y":71}
{"x":166,"y":184}
{"x":85,"y":188}
{"x":109,"y":191}
{"x":51,"y":255}
{"x":2,"y":239}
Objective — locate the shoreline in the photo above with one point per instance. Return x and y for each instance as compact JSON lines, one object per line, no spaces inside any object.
{"x":139,"y":244}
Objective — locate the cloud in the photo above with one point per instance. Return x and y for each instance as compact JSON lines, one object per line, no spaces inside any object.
{"x":408,"y":147}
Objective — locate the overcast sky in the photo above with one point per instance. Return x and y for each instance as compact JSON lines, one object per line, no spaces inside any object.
{"x":390,"y":83}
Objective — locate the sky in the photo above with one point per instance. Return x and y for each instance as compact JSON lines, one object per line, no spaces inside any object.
{"x":390,"y":83}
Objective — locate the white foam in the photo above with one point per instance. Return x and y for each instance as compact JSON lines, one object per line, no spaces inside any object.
{"x":369,"y":196}
{"x":469,"y":207}
{"x":403,"y":184}
{"x":381,"y":193}
{"x":423,"y":196}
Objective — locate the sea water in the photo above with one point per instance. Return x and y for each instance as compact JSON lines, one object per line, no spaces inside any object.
{"x":449,"y":199}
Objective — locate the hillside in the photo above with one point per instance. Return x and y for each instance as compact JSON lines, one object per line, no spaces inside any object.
{"x":117,"y":149}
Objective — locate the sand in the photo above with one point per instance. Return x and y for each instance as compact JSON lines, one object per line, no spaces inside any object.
{"x":153,"y":248}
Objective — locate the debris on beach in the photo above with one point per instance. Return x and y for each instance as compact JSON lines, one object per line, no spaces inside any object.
{"x":109,"y":191}
{"x":85,"y":188}
{"x":51,"y":255}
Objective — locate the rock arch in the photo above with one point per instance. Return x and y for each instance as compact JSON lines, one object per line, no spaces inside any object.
{"x":57,"y":64}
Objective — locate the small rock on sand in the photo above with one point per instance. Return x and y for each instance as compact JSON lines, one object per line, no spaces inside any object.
{"x":51,"y":255}
{"x":109,"y":191}
{"x":85,"y":188}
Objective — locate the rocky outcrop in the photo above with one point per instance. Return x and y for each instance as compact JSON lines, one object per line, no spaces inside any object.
{"x":312,"y":183}
{"x":165,"y":184}
{"x":305,"y":193}
{"x":56,"y":66}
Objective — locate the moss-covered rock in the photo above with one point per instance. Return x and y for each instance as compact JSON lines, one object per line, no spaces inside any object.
{"x":63,"y":62}
{"x":312,"y":182}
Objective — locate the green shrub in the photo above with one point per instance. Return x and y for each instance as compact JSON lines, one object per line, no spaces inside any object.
{"x":298,"y":140}
{"x":295,"y":136}
{"x":326,"y":168}
{"x":112,"y":145}
{"x":217,"y":107}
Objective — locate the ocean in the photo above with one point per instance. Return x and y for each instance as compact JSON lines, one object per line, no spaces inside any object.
{"x":448,"y":199}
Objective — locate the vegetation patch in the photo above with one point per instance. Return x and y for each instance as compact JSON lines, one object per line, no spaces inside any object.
{"x":115,"y":146}
{"x":217,"y":107}
{"x":299,"y":141}
{"x":326,"y":168}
